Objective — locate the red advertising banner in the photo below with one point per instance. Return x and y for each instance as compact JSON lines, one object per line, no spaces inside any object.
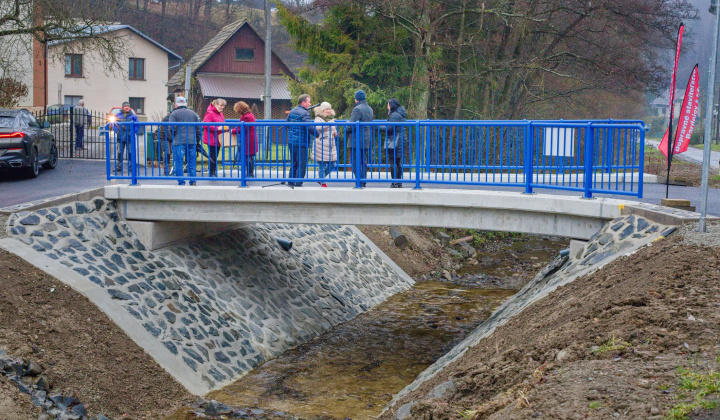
{"x":663,"y":146}
{"x":688,"y":113}
{"x":674,"y":73}
{"x":688,"y":116}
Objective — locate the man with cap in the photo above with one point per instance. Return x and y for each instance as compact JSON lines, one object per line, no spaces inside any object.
{"x":185,"y":138}
{"x":300,"y":138}
{"x":122,"y":134}
{"x":362,"y":141}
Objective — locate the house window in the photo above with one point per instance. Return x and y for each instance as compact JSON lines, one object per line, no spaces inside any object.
{"x":72,"y":100}
{"x":137,"y":69}
{"x":138,"y":104}
{"x":244,"y":54}
{"x":73,"y":65}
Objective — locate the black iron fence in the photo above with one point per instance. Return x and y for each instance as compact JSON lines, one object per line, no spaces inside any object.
{"x":79,"y":133}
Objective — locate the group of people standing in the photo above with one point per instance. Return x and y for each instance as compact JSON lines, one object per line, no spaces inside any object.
{"x":180,"y":144}
{"x":323,"y":138}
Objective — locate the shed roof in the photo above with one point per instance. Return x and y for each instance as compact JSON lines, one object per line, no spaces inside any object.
{"x":241,"y":86}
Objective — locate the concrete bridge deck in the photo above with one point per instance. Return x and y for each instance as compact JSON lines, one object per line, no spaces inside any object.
{"x":561,"y":215}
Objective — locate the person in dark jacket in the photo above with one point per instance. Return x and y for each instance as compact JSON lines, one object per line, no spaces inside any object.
{"x":362,"y":141}
{"x":165,"y":144}
{"x":299,"y":139}
{"x":185,"y":139}
{"x":395,"y":139}
{"x":123,"y":134}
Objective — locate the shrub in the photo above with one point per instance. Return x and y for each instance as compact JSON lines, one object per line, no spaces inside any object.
{"x":11,"y":91}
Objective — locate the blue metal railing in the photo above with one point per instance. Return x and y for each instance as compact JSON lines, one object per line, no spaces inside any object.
{"x":601,"y":156}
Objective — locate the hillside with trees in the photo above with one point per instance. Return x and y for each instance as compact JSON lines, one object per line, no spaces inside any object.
{"x":494,"y":59}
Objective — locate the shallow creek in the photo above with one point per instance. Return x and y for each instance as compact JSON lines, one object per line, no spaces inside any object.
{"x":353,"y":370}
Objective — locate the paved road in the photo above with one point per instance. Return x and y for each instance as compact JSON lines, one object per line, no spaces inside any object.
{"x":70,"y":176}
{"x":73,"y":176}
{"x":693,"y":155}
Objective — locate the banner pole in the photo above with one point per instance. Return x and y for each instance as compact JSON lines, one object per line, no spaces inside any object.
{"x":708,"y":121}
{"x":671,"y":142}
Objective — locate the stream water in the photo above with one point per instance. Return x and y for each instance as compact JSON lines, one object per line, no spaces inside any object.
{"x":353,"y":370}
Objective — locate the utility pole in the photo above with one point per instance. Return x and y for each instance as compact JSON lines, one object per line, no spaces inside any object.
{"x":188,"y":76}
{"x":267,"y":98}
{"x":708,"y":119}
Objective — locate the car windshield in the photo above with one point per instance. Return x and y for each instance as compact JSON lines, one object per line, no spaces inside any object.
{"x":6,"y":121}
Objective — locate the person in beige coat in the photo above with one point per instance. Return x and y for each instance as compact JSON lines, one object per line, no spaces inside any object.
{"x":325,"y":144}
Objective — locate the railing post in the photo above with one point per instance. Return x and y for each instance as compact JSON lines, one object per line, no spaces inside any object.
{"x":243,"y":157}
{"x":609,"y":140}
{"x":529,"y":154}
{"x":72,"y":129}
{"x":589,"y":152}
{"x":642,"y":161}
{"x":418,"y":154}
{"x":107,"y":151}
{"x":356,"y":132}
{"x":132,"y":155}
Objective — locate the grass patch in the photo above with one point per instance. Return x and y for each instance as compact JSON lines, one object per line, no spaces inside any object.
{"x":612,"y":345}
{"x":714,"y":147}
{"x":700,"y":386}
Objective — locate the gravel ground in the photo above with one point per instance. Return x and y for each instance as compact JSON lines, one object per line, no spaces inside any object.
{"x":711,"y":238}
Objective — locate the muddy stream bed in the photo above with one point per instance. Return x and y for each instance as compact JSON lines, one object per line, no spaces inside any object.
{"x":353,"y":370}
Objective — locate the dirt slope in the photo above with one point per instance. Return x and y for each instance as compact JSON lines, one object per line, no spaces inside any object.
{"x":84,"y":354}
{"x":612,"y":344}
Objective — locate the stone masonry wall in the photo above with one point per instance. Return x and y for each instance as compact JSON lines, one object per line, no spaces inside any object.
{"x":222,"y":305}
{"x":618,"y":237}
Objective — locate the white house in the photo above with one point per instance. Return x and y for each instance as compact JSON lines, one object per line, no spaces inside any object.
{"x":661,"y":106}
{"x":72,"y":76}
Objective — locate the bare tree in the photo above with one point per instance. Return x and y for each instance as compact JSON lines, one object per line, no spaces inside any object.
{"x":74,"y":25}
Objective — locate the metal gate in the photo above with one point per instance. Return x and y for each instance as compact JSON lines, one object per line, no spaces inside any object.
{"x":67,"y":125}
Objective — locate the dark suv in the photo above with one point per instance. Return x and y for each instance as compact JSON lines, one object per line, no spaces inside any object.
{"x":24,"y":144}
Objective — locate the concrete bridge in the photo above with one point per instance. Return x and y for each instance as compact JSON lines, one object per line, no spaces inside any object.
{"x":165,"y":214}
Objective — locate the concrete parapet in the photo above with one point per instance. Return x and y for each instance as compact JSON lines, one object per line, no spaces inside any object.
{"x":54,"y":201}
{"x":567,"y":216}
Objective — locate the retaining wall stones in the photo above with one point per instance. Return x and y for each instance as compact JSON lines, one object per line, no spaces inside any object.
{"x":619,"y":237}
{"x":210,"y":310}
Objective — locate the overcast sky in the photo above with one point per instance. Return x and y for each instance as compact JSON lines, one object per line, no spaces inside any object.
{"x":699,"y":34}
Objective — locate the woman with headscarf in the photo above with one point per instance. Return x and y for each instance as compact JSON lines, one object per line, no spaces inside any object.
{"x":394,"y":140}
{"x":324,"y":146}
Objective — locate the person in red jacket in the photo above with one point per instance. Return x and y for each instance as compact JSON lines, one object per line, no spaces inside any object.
{"x":212,"y":132}
{"x":250,"y":140}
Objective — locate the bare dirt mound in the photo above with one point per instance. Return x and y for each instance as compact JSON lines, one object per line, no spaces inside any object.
{"x":83,"y":353}
{"x":636,"y":339}
{"x":419,"y":257}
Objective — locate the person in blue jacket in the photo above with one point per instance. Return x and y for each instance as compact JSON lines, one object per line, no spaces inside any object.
{"x":123,"y":133}
{"x":300,"y":138}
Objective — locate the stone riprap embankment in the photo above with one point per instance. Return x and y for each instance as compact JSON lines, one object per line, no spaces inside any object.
{"x":53,"y":404}
{"x":213,"y":309}
{"x":619,"y":237}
